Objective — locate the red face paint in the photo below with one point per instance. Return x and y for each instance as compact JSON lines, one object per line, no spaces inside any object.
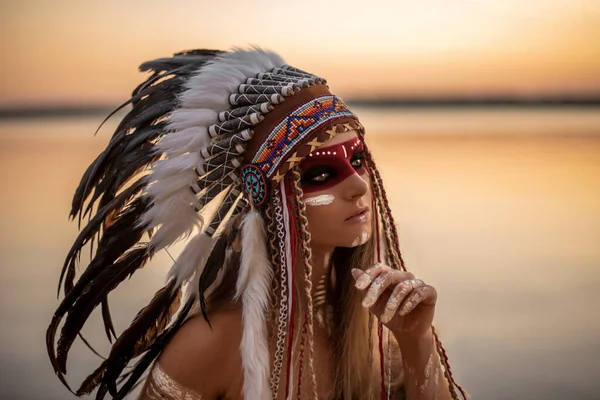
{"x":328,"y":166}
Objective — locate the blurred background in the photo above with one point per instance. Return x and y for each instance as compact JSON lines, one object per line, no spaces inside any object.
{"x":483,"y":115}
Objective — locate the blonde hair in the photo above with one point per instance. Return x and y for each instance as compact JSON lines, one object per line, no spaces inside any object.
{"x":356,"y":358}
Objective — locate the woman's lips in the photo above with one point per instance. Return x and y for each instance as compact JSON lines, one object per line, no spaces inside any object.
{"x":361,"y":217}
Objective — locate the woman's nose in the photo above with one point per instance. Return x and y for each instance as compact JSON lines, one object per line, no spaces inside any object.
{"x":356,"y":186}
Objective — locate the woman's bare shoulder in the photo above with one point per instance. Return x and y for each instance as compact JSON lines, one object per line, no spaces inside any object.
{"x":205,"y":358}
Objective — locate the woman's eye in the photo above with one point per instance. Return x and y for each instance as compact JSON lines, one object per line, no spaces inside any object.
{"x":320,"y":178}
{"x":317,"y":175}
{"x":357,"y":162}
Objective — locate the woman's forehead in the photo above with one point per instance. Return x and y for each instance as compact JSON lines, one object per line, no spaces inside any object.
{"x":340,"y":138}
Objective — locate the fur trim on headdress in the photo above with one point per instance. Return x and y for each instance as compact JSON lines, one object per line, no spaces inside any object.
{"x":253,"y":286}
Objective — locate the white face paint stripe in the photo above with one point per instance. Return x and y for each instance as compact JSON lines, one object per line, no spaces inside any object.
{"x":322,"y":200}
{"x":360,"y":240}
{"x":345,"y":152}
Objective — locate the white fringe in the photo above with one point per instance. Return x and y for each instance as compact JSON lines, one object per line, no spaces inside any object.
{"x":253,"y":285}
{"x":205,"y":94}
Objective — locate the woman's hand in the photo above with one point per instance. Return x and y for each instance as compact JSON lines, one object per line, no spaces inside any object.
{"x":405,"y":305}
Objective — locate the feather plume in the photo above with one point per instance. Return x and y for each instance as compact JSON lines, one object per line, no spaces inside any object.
{"x":147,"y":325}
{"x":91,"y":297}
{"x":92,"y":381}
{"x":192,"y":259}
{"x":214,"y":264}
{"x":253,"y":286}
{"x":168,"y":120}
{"x":186,"y":140}
{"x":154,"y":350}
{"x":206,"y":93}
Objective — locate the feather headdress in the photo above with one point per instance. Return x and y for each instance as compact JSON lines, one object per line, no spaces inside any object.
{"x":208,"y":130}
{"x":205,"y":127}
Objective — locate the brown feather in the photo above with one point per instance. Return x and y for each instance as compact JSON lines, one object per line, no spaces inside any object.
{"x":92,"y":381}
{"x":145,"y":327}
{"x":153,"y":351}
{"x":161,"y":324}
{"x":92,"y":295}
{"x":109,"y":328}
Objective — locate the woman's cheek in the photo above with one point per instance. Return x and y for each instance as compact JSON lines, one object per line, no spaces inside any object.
{"x":319,"y":212}
{"x":319,"y":200}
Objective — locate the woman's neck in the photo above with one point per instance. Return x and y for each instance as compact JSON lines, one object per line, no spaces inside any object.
{"x":321,"y":261}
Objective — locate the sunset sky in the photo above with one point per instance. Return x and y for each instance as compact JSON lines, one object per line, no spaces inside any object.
{"x":87,"y":52}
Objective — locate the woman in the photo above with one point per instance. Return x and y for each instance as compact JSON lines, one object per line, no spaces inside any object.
{"x":293,"y":285}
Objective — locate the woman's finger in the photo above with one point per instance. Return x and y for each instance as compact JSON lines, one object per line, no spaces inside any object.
{"x":423,"y":295}
{"x":386,"y":279}
{"x":400,"y":292}
{"x":366,"y":277}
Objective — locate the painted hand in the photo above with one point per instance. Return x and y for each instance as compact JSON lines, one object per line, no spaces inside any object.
{"x":405,"y":305}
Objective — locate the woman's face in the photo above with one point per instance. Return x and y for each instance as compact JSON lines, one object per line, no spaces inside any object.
{"x":337,"y":193}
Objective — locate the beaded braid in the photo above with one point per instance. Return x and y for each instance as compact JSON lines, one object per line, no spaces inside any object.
{"x":280,"y":305}
{"x":273,"y":249}
{"x":387,"y":217}
{"x":305,"y":239}
{"x":391,"y":254}
{"x":447,"y":370}
{"x":390,"y":228}
{"x":392,"y":251}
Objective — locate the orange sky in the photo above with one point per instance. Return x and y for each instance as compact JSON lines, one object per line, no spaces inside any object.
{"x":82,"y":51}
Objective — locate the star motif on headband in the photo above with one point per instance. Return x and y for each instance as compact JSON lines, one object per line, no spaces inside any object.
{"x":294,"y":159}
{"x":332,"y":132}
{"x":314,"y":144}
{"x":278,"y":177}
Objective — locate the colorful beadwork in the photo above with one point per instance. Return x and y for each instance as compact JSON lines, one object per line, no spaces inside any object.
{"x":300,"y":124}
{"x":255,"y":185}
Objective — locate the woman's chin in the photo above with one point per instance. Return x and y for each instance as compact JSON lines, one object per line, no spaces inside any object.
{"x":357,"y":240}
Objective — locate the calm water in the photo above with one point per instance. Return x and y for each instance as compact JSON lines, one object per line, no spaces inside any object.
{"x":500,"y":210}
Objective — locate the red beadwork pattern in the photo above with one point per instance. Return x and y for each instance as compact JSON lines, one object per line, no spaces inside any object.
{"x":300,"y":124}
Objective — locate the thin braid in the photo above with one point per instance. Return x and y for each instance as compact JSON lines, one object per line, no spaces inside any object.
{"x":273,"y":250}
{"x":305,"y":239}
{"x":390,"y":247}
{"x":439,"y":347}
{"x":276,"y":242}
{"x":447,"y":370}
{"x":388,"y":210}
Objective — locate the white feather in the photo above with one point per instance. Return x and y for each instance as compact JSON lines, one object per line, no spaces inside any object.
{"x":187,"y":140}
{"x":205,"y":94}
{"x":183,"y":118}
{"x":175,"y":218}
{"x":253,"y":285}
{"x":192,"y":259}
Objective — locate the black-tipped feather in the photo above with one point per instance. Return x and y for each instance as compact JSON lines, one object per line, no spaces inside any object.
{"x":115,"y":206}
{"x":117,"y":239}
{"x":105,"y":282}
{"x":214,"y":263}
{"x":150,"y":322}
{"x":92,"y":381}
{"x":154,"y":350}
{"x":109,"y":327}
{"x":93,"y":228}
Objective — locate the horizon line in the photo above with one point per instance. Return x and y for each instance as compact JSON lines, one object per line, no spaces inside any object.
{"x":69,"y":110}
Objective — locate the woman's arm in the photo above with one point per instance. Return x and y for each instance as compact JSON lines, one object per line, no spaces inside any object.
{"x":423,"y":374}
{"x":406,"y":306}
